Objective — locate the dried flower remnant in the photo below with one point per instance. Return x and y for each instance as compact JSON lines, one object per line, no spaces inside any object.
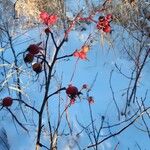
{"x":72,"y":101}
{"x":84,"y":86}
{"x":90,"y":100}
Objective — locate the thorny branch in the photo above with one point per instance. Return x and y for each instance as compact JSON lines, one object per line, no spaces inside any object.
{"x":121,"y":130}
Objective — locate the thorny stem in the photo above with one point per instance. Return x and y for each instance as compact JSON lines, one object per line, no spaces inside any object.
{"x":93,"y":128}
{"x":16,"y":68}
{"x":21,"y":125}
{"x":27,"y":105}
{"x":136,"y":80}
{"x":120,"y":131}
{"x":113,"y":95}
{"x":47,"y":96}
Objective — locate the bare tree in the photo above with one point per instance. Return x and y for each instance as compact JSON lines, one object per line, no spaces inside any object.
{"x":31,"y":67}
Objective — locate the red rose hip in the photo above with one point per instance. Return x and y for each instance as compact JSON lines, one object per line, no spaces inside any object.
{"x":37,"y":67}
{"x":29,"y":58}
{"x":7,"y":101}
{"x":107,"y":29}
{"x":34,"y":49}
{"x":108,"y":17}
{"x":72,"y":91}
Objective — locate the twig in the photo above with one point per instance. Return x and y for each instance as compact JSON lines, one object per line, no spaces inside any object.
{"x":120,"y":131}
{"x":17,"y":120}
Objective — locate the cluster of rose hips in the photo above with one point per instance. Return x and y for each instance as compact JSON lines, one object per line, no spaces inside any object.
{"x":7,"y":102}
{"x":104,"y":23}
{"x":48,"y":19}
{"x":33,"y":50}
{"x":73,"y":92}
